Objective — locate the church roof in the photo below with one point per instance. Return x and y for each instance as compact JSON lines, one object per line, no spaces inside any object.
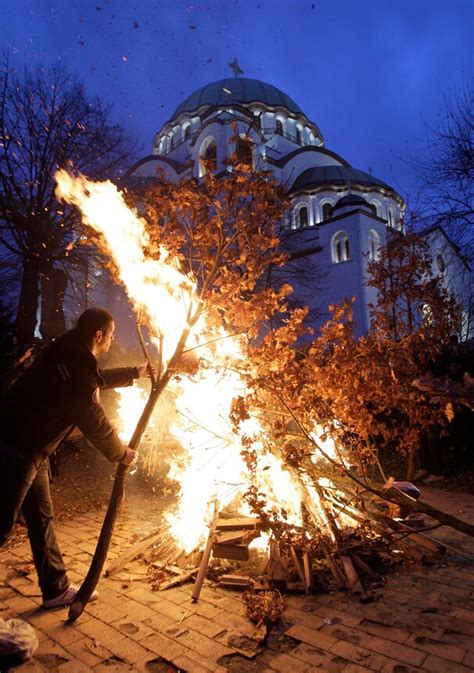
{"x":351,"y":200}
{"x":237,"y":90}
{"x":336,"y":175}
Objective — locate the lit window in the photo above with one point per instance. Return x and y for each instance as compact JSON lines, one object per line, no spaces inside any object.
{"x":302,"y":217}
{"x":340,"y":247}
{"x":327,"y":211}
{"x":374,"y":245}
{"x":279,"y":127}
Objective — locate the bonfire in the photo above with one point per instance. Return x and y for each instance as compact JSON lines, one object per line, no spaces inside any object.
{"x":258,"y":479}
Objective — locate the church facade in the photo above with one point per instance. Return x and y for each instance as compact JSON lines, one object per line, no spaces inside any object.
{"x":340,"y":213}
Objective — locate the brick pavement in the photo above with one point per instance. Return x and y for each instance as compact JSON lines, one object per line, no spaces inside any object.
{"x":422,"y":620}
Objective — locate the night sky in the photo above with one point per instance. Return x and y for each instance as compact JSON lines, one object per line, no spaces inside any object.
{"x":370,"y":73}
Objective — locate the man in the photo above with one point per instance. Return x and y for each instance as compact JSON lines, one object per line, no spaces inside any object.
{"x":58,"y":392}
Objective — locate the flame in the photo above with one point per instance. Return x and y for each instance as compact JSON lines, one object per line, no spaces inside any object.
{"x":212,"y":469}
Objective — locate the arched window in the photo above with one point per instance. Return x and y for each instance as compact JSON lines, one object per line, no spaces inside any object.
{"x":302,"y":217}
{"x":340,"y":247}
{"x":279,"y":127}
{"x":374,"y":245}
{"x":187,"y":132}
{"x":243,"y":150}
{"x":298,"y":136}
{"x":257,"y":116}
{"x":391,"y":218}
{"x":327,"y":211}
{"x":378,"y":208}
{"x":171,"y":143}
{"x":441,"y":263}
{"x":208,"y":155}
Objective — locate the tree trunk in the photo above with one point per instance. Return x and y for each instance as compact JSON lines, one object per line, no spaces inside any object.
{"x":53,"y":288}
{"x":25,"y":321}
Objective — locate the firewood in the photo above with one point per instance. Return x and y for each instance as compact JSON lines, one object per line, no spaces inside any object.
{"x":298,"y":562}
{"x":234,"y":581}
{"x":277,"y":564}
{"x":236,"y":537}
{"x":179,"y":579}
{"x":234,"y":552}
{"x":134,"y":551}
{"x":353,"y":580}
{"x":237,"y":523}
{"x":308,"y":571}
{"x":205,"y":556}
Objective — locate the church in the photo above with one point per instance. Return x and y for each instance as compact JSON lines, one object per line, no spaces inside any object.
{"x":340,"y":214}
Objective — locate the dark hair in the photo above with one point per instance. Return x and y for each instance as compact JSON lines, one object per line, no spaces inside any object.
{"x":92,"y":320}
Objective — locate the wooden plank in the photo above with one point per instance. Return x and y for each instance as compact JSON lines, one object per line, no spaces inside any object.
{"x":236,"y":523}
{"x":234,"y":581}
{"x":351,"y":575}
{"x":237,"y":536}
{"x":298,"y":561}
{"x":134,"y":551}
{"x":308,"y":572}
{"x":234,"y":552}
{"x":179,"y":579}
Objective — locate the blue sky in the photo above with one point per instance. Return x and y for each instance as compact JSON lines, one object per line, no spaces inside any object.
{"x":370,"y":73}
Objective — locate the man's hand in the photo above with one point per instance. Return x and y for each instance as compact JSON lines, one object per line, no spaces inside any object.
{"x":143,"y":370}
{"x":130,"y":457}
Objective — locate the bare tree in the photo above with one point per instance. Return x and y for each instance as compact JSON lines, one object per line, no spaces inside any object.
{"x":47,"y":121}
{"x":445,"y":169}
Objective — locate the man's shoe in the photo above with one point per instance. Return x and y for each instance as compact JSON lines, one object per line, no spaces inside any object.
{"x":66,"y":598}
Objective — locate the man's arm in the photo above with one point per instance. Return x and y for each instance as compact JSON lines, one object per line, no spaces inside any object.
{"x":93,"y":423}
{"x":118,"y":377}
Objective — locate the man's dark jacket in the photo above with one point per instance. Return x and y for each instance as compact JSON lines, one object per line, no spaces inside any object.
{"x":59,"y":391}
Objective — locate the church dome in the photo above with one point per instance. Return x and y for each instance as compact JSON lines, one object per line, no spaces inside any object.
{"x":336,"y":175}
{"x":234,"y":90}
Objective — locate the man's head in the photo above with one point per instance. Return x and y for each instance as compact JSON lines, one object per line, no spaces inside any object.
{"x":96,"y":326}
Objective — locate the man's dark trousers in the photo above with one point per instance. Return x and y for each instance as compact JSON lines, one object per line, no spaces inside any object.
{"x":24,"y":485}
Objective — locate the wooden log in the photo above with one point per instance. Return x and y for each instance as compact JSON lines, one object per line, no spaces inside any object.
{"x":298,"y":562}
{"x":205,"y":557}
{"x":308,"y":572}
{"x":238,"y":523}
{"x":353,"y":581}
{"x":179,"y":579}
{"x":134,"y":551}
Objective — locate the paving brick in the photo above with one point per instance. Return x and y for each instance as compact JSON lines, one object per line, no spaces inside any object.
{"x":359,"y":655}
{"x":64,"y":634}
{"x":458,"y":639}
{"x":190,"y":665}
{"x":383,"y":630}
{"x":403,"y":653}
{"x":207,"y":647}
{"x":451,"y":652}
{"x":100,"y":632}
{"x":88,"y":651}
{"x":235,"y":623}
{"x":309,"y":619}
{"x":286,"y":663}
{"x":163,"y":646}
{"x":105,"y":612}
{"x":311,"y":637}
{"x":202,"y":625}
{"x":355,"y":668}
{"x":393,"y":666}
{"x":469,"y":660}
{"x":435,"y":664}
{"x":74,"y":667}
{"x":134,"y":630}
{"x":311,"y":655}
{"x":126,"y":649}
